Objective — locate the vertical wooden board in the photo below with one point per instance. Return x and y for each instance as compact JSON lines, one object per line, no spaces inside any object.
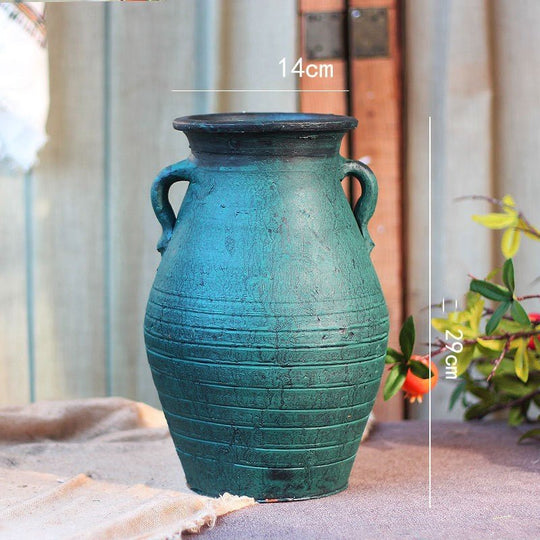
{"x":312,"y":6}
{"x":14,"y":372}
{"x":68,"y":210}
{"x":333,"y":101}
{"x":255,"y":36}
{"x":448,"y":46}
{"x":152,"y":53}
{"x":322,"y":102}
{"x":516,"y":133}
{"x":376,"y":103}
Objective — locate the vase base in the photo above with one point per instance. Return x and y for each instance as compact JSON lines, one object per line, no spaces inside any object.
{"x":307,"y":498}
{"x":212,"y":478}
{"x":286,"y":499}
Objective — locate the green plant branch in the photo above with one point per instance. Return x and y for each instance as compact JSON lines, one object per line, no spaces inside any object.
{"x":497,"y":337}
{"x":497,"y":202}
{"x":492,"y":200}
{"x":506,"y":335}
{"x":509,"y":404}
{"x":507,"y":372}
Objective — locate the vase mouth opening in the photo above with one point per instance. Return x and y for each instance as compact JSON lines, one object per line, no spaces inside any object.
{"x":267,"y":122}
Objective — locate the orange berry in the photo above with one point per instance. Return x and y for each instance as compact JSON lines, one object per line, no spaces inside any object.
{"x":415,"y":387}
{"x":535,"y":319}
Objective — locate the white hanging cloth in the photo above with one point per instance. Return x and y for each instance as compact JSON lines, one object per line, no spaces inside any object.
{"x":24,"y":82}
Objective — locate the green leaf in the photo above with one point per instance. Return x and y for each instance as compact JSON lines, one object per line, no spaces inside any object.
{"x":510,"y":242}
{"x":495,"y":220}
{"x":534,"y":355}
{"x":458,"y":390}
{"x":477,"y":410}
{"x":531,"y":434}
{"x":407,"y":337}
{"x":490,"y":290}
{"x":475,"y":310}
{"x":496,"y":345}
{"x":483,"y":393}
{"x":506,"y":367}
{"x":464,"y":359}
{"x":521,"y":360}
{"x":492,"y":274}
{"x":510,"y":326}
{"x":508,"y":201}
{"x":393,"y":356}
{"x":508,"y":275}
{"x":515,"y":416}
{"x":519,"y":314}
{"x":510,"y":385}
{"x":394,"y":381}
{"x":485,"y":368}
{"x":419,"y":369}
{"x":495,"y":319}
{"x":443,"y":325}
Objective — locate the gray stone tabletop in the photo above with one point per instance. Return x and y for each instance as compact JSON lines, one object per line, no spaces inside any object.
{"x":484,"y":485}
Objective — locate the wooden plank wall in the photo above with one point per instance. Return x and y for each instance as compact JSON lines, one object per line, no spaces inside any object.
{"x":375,"y":100}
{"x":142,"y":142}
{"x":78,"y":234}
{"x":67,"y":212}
{"x":14,"y":358}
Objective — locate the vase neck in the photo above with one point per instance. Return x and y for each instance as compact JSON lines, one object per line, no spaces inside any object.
{"x":242,"y":147}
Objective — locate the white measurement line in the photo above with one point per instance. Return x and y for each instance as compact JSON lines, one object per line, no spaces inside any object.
{"x":230,"y":91}
{"x":430,"y":309}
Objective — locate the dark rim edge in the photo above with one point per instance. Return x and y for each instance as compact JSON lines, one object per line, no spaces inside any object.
{"x":264,"y":122}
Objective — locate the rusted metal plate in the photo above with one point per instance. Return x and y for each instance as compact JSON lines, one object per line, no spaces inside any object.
{"x":368,"y":30}
{"x":325,"y":35}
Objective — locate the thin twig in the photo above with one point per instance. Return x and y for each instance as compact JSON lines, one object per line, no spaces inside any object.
{"x":492,"y":200}
{"x":440,"y":304}
{"x":530,"y":229}
{"x":527,"y":297}
{"x":497,"y":362}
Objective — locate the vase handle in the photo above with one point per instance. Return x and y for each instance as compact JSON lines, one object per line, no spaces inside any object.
{"x":181,"y":171}
{"x":364,"y":208}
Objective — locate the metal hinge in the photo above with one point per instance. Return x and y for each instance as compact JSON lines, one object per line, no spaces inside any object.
{"x":326,"y":34}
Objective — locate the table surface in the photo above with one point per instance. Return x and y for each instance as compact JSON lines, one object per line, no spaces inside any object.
{"x":484,"y":485}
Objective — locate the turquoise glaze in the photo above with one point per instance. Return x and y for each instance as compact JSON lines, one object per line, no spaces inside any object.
{"x":266,"y":328}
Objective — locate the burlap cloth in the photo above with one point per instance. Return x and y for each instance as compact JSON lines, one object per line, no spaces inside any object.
{"x":97,"y":468}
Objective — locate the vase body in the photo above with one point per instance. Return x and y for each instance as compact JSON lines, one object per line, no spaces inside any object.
{"x":266,"y":328}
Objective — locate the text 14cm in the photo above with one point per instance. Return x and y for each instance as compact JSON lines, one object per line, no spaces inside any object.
{"x":300,"y":68}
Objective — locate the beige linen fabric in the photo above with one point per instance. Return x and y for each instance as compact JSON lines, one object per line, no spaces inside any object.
{"x":78,"y":469}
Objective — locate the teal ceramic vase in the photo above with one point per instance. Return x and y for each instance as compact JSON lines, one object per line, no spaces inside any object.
{"x":266,"y":328}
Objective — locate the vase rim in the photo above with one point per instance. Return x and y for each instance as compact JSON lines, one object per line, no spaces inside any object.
{"x":268,"y":122}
